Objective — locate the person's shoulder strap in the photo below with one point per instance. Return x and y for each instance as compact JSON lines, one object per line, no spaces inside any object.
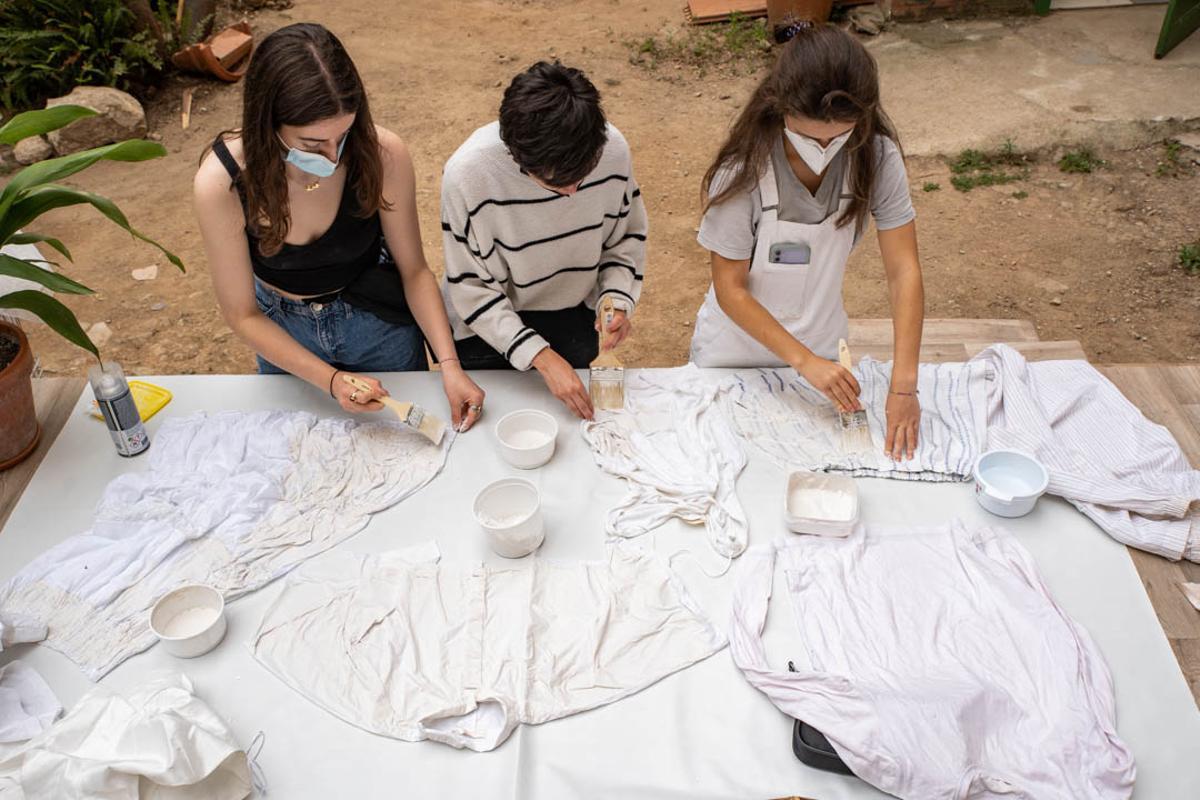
{"x":221,"y":151}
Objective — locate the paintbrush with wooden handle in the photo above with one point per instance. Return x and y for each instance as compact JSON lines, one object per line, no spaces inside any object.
{"x":411,"y":414}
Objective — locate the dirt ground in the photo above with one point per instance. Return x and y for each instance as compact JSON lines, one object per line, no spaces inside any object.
{"x":1087,"y":257}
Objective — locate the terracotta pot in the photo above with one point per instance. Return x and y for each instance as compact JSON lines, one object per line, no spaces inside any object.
{"x":19,"y":428}
{"x":781,"y":12}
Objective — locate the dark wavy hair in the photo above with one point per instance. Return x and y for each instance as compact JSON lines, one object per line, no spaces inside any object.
{"x":299,"y":75}
{"x":825,"y":74}
{"x":552,"y":123}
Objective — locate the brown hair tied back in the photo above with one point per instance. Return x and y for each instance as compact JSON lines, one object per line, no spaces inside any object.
{"x":822,"y":73}
{"x":299,"y":75}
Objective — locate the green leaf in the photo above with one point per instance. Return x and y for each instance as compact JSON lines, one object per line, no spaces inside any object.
{"x":34,"y":238}
{"x":40,"y":200}
{"x":57,"y":168}
{"x":35,"y":123}
{"x":53,"y":313}
{"x":54,"y":281}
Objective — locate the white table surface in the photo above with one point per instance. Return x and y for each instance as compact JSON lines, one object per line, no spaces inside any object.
{"x":701,"y":733}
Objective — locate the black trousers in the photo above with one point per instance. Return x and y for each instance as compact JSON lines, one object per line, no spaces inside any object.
{"x":570,"y":332}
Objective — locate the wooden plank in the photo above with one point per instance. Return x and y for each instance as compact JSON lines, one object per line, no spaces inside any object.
{"x":1148,"y":389}
{"x":702,"y":12}
{"x":930,"y":353}
{"x":947,"y":331}
{"x":1036,"y":351}
{"x":1156,"y":390}
{"x":53,"y":398}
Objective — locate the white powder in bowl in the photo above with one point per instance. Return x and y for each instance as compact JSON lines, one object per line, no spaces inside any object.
{"x":526,"y":439}
{"x":191,"y":621}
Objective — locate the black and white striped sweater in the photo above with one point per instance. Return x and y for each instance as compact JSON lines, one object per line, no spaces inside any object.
{"x":511,"y":245}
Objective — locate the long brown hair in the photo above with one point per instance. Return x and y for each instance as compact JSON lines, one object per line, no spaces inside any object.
{"x":825,"y":74}
{"x":299,"y":75}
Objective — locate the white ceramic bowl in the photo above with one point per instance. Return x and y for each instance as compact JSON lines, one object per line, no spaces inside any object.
{"x":820,"y":503}
{"x":189,"y":621}
{"x":510,"y":512}
{"x":1008,"y":483}
{"x":526,"y":437}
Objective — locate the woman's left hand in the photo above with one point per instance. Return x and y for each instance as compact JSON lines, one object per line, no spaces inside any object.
{"x":464,"y":395}
{"x":903,"y":425}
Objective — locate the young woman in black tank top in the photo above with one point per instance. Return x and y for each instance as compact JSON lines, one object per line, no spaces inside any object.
{"x":309,"y":220}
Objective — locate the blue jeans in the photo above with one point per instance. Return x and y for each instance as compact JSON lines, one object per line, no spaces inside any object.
{"x":346,"y":337}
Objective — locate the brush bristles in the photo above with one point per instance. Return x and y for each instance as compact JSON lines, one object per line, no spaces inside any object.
{"x":607,"y":394}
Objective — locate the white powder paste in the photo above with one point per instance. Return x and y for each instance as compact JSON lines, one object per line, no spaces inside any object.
{"x":526,"y":439}
{"x":819,"y":503}
{"x":191,"y":621}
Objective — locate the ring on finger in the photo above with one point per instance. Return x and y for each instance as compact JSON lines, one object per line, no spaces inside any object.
{"x":475,"y":408}
{"x":354,"y":396}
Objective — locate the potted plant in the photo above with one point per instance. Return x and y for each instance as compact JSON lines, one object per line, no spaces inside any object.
{"x":30,"y":193}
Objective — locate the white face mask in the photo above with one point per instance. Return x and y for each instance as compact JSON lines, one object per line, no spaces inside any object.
{"x":816,"y":157}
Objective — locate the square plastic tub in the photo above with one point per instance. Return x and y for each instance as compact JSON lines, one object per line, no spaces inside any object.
{"x":821,"y":504}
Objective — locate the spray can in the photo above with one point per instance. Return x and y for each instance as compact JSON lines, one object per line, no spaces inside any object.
{"x":116,"y":404}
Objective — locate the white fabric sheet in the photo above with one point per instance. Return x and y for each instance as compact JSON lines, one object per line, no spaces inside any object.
{"x":19,"y":629}
{"x":677,"y":456}
{"x":231,"y":500}
{"x":797,"y":426}
{"x":27,"y":704}
{"x":402,"y":646}
{"x":703,"y":734}
{"x":939,"y":665}
{"x":1125,"y":473}
{"x":160,"y":743}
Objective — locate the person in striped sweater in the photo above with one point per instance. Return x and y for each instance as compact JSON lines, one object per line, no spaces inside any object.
{"x":541,"y":218}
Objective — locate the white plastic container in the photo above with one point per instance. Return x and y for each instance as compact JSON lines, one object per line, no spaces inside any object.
{"x":510,"y":512}
{"x":821,"y":504}
{"x":189,"y":621}
{"x":1008,"y":483}
{"x":526,"y":437}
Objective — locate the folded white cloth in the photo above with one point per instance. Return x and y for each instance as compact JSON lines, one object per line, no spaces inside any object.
{"x":161,"y":742}
{"x":1120,"y":469}
{"x":27,"y":705}
{"x":19,"y":629}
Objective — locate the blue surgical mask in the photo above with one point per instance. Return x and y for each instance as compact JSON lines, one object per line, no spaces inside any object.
{"x":313,"y":163}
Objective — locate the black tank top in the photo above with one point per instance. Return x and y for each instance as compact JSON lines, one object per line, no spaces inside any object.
{"x":350,"y":258}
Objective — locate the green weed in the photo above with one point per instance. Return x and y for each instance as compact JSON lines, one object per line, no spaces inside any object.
{"x":930,"y":186}
{"x":1084,"y":160}
{"x":1020,"y":195}
{"x":741,"y":42}
{"x":971,"y":168}
{"x":1171,"y":166}
{"x":1189,"y":257}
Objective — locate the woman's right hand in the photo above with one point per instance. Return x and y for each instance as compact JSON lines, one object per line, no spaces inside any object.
{"x":835,"y":381}
{"x":357,"y":400}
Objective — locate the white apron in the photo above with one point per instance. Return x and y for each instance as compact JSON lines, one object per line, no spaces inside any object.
{"x":805,"y":298}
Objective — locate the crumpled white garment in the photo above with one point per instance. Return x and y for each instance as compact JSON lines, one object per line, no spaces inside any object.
{"x":233,"y":500}
{"x":678,"y":456}
{"x":939,"y":666}
{"x":402,"y":646}
{"x":797,"y":426}
{"x":19,"y":629}
{"x":161,"y":742}
{"x":27,"y":704}
{"x":1120,"y":469}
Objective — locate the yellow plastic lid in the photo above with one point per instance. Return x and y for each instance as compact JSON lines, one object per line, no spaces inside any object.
{"x":148,"y":398}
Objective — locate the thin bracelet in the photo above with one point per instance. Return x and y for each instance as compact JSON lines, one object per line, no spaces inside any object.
{"x":913,"y":393}
{"x":331,"y":377}
{"x":447,"y":360}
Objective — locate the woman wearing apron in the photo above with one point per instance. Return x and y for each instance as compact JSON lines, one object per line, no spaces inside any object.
{"x":789,"y":193}
{"x":309,"y":220}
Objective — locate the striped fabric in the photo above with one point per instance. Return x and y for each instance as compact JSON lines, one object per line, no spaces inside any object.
{"x":513,"y":246}
{"x":1124,"y":472}
{"x":798,"y":427}
{"x":1120,"y":469}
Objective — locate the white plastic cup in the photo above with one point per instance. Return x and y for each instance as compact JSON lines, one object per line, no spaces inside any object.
{"x":189,"y":621}
{"x":510,"y":512}
{"x":1008,"y":483}
{"x":526,"y":437}
{"x":820,"y":504}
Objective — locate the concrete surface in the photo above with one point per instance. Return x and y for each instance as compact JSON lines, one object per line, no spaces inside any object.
{"x":1073,"y":76}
